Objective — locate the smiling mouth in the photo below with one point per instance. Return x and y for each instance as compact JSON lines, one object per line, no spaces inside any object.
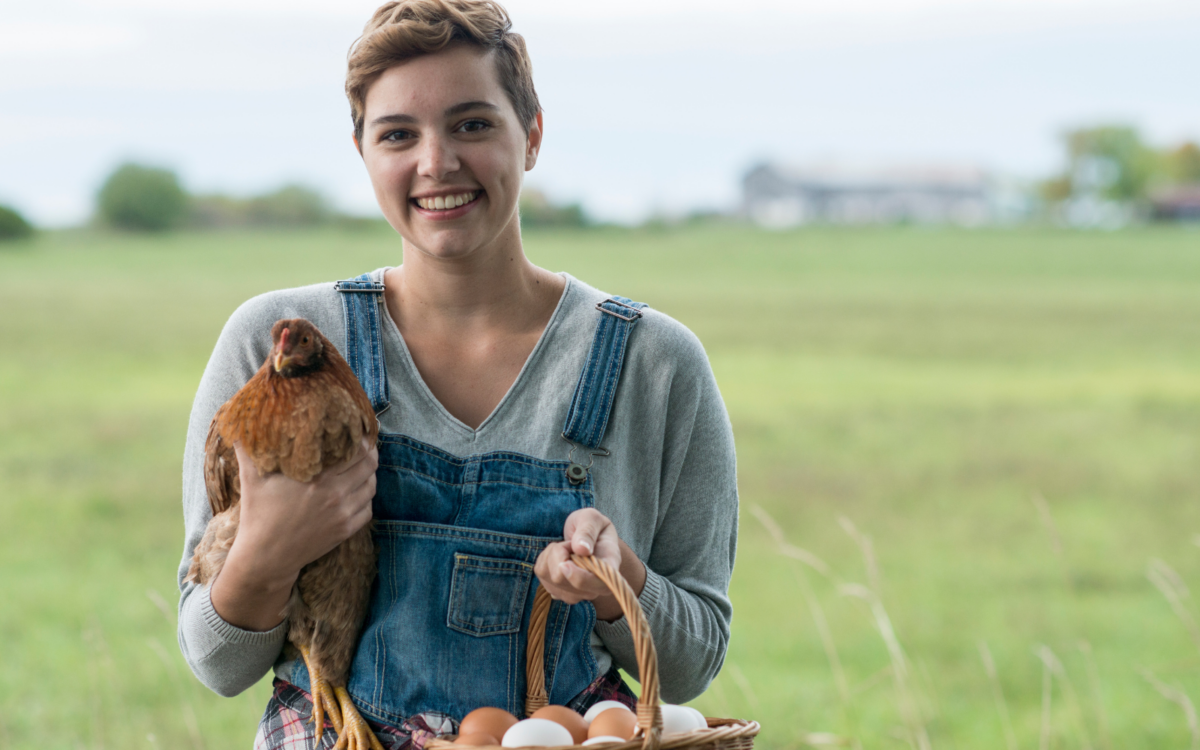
{"x":447,"y":202}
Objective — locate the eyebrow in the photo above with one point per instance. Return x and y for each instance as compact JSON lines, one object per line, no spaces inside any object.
{"x":457,"y":109}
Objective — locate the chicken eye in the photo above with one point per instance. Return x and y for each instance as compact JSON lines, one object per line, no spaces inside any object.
{"x":304,"y":341}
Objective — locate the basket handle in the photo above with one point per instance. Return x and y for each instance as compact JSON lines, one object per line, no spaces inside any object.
{"x":648,"y":713}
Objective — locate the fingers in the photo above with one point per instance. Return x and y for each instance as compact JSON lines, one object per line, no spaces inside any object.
{"x":564,"y":580}
{"x":584,"y":528}
{"x":365,"y":450}
{"x":246,"y":467}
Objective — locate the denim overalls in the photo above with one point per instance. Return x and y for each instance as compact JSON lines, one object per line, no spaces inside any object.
{"x":457,"y":539}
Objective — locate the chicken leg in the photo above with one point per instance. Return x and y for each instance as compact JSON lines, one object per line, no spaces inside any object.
{"x":357,"y":734}
{"x":334,"y":702}
{"x":324,"y":701}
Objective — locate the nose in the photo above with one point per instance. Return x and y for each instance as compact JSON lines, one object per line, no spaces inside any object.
{"x":438,"y":157}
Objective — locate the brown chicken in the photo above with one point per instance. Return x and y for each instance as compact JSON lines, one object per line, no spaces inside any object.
{"x":302,"y":412}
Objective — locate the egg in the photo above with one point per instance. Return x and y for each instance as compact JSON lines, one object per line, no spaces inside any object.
{"x":537,"y":733}
{"x":677,"y":719}
{"x":477,"y":739}
{"x":493,"y":722}
{"x":615,"y":722}
{"x":601,"y":707}
{"x":566,"y":717}
{"x":701,"y":722}
{"x":603,"y":740}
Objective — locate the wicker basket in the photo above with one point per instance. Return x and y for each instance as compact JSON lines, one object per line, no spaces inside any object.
{"x":721,"y":734}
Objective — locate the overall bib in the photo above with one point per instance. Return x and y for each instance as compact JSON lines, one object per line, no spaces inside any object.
{"x":458,"y":537}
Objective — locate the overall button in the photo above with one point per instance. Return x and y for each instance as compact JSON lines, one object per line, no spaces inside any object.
{"x":576,"y":473}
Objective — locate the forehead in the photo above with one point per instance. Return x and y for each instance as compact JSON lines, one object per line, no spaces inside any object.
{"x":426,"y":86}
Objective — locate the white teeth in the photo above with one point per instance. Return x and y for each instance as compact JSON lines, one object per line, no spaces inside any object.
{"x":446,"y":202}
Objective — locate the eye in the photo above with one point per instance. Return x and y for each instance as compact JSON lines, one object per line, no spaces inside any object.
{"x":304,"y":341}
{"x":397,"y":135}
{"x":475,"y":126}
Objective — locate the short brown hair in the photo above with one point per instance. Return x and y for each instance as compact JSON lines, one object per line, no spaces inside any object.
{"x":405,"y":29}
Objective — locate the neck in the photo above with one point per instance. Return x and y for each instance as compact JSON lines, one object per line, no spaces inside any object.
{"x":496,"y":285}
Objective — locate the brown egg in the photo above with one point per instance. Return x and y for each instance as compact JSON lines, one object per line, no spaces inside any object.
{"x":615,"y":722}
{"x":567,"y":718}
{"x":493,"y":722}
{"x":477,"y":739}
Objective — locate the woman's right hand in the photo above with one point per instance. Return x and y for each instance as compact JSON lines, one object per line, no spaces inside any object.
{"x":285,"y":525}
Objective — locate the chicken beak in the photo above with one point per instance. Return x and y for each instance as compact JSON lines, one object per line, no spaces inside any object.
{"x":281,"y":361}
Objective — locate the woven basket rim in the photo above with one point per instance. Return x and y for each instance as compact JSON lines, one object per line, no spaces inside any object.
{"x":728,"y":729}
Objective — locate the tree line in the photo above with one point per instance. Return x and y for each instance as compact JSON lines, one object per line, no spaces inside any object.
{"x":1113,"y":162}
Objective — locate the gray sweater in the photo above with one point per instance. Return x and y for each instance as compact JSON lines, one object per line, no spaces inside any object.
{"x":669,"y":486}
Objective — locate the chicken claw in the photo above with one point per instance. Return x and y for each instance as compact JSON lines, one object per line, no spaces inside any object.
{"x":357,"y":734}
{"x":324,"y":702}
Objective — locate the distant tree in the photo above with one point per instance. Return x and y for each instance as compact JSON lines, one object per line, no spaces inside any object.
{"x":142,"y":198}
{"x":1110,"y":161}
{"x":292,"y":205}
{"x":1183,"y":164}
{"x":537,"y":211}
{"x":13,"y":225}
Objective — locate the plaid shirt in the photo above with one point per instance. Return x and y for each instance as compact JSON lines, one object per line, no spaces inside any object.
{"x":286,"y":724}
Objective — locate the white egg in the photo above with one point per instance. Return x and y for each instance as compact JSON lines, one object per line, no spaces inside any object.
{"x":601,"y":707}
{"x":678,"y":719}
{"x":604,"y":740}
{"x":537,"y":733}
{"x":701,"y":722}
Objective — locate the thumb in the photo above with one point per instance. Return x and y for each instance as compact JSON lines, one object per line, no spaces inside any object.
{"x":586,"y":531}
{"x":246,"y":466}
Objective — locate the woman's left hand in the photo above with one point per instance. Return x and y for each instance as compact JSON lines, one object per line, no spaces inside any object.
{"x":587,"y":532}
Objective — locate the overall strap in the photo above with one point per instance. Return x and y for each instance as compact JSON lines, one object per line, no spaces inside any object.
{"x":588,"y":416}
{"x":362,"y":298}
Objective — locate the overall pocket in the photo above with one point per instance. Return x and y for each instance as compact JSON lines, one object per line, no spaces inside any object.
{"x":487,"y":595}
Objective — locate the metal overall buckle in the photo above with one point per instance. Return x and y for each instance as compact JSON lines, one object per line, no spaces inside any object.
{"x":577,"y":473}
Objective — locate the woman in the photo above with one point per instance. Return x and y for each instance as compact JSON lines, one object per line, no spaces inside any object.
{"x":523,"y":415}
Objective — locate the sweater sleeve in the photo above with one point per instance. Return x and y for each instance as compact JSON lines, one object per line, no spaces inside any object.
{"x":691,"y":555}
{"x":224,"y":657}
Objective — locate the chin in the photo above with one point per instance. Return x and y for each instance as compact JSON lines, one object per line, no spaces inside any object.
{"x":445,"y":244}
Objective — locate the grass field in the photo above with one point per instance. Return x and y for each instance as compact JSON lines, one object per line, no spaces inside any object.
{"x":1009,"y":421}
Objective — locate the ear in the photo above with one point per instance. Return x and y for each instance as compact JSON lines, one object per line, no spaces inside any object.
{"x":533,"y":142}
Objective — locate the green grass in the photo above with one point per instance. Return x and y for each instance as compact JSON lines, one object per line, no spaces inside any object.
{"x":924,"y":384}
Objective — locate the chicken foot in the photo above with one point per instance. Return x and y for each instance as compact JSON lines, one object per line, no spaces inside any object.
{"x":325,"y":703}
{"x":357,"y":734}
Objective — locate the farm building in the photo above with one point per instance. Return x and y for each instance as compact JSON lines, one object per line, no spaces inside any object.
{"x":781,"y":196}
{"x":1178,"y":203}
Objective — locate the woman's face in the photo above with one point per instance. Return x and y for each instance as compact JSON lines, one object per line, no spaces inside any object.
{"x":446,"y":152}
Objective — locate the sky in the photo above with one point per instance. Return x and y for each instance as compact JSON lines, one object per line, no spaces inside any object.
{"x":651,"y":106}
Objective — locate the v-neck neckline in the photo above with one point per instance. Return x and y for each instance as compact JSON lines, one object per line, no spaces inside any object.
{"x":408,"y":362}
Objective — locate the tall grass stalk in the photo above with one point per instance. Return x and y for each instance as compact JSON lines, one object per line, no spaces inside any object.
{"x":868,"y":552}
{"x":718,"y":692}
{"x":1055,"y":665}
{"x":1047,"y":686}
{"x":1175,"y":591}
{"x":1056,"y":543}
{"x":1176,"y":695}
{"x":817,"y":612}
{"x":910,"y":711}
{"x":824,"y":739}
{"x":189,"y":713}
{"x":906,"y":695}
{"x":989,"y":666}
{"x":739,"y":679}
{"x":1089,"y":661}
{"x":168,"y":612}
